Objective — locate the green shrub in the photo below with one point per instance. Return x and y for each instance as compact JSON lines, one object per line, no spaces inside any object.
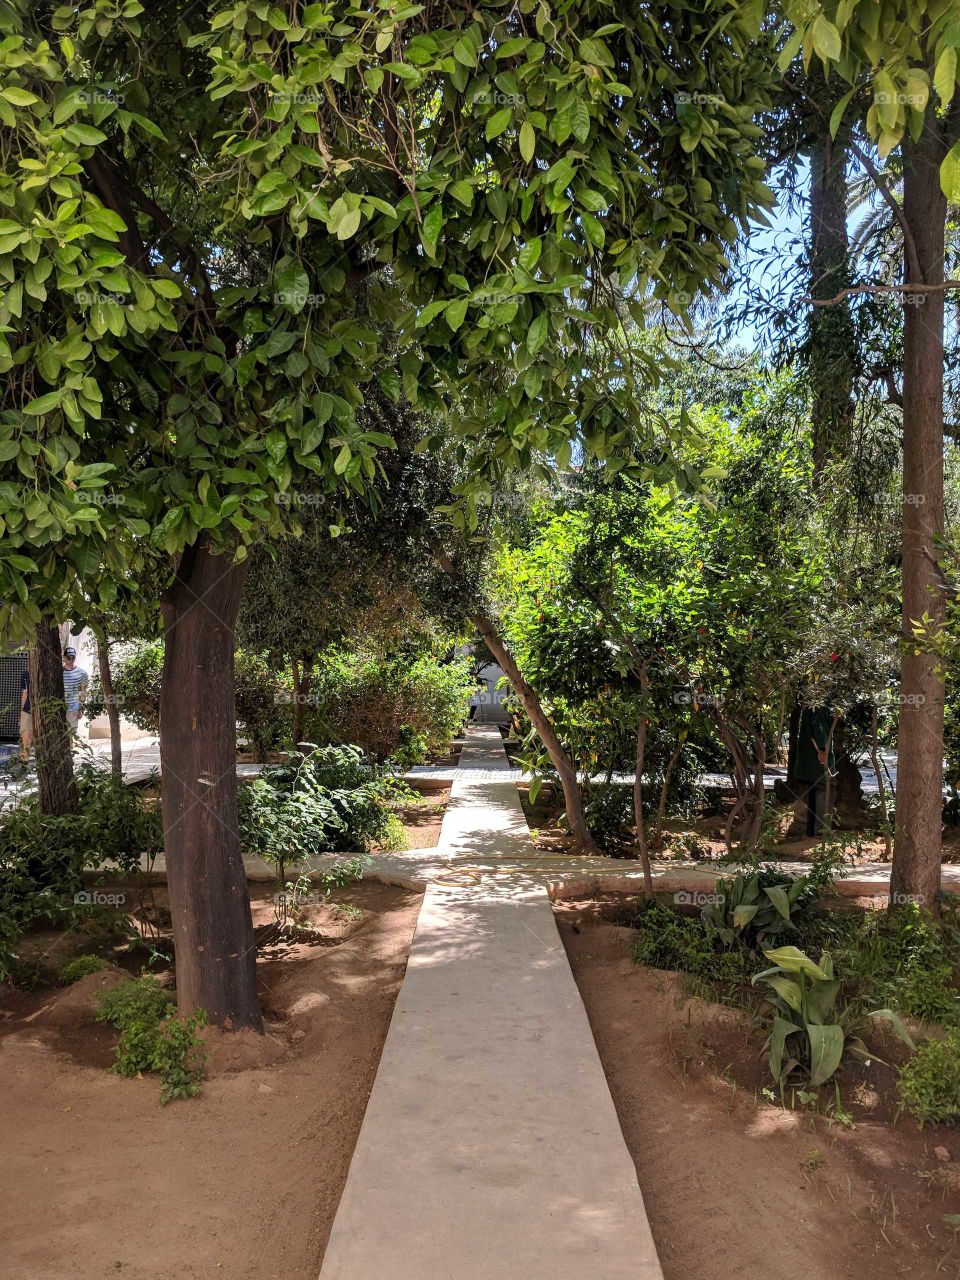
{"x":929,"y":1082}
{"x":80,"y":967}
{"x":321,"y":800}
{"x":755,"y":908}
{"x":666,"y":939}
{"x":396,"y":707}
{"x":810,"y":1031}
{"x":607,"y":813}
{"x":903,"y":959}
{"x":152,"y":1038}
{"x":261,"y":694}
{"x":42,"y":859}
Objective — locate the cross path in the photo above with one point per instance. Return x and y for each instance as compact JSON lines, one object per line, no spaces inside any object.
{"x":490,"y":1148}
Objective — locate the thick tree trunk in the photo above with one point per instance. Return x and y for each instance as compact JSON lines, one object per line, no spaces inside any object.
{"x":916,"y":856}
{"x":55,"y":781}
{"x":541,"y":722}
{"x":831,"y":344}
{"x":209,"y":902}
{"x":110,"y":702}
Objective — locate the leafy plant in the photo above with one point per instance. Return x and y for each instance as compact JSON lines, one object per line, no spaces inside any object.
{"x":152,"y":1038}
{"x":667,"y":939}
{"x":809,"y":1034}
{"x":607,"y":813}
{"x":80,"y":967}
{"x":754,"y":909}
{"x":929,"y":1083}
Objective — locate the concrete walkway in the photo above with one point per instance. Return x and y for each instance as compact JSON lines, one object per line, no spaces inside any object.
{"x":490,"y":1148}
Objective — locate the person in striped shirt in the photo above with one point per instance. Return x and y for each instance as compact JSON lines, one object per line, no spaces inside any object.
{"x":75,"y":681}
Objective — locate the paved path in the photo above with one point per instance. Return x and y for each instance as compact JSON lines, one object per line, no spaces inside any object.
{"x":490,"y":1148}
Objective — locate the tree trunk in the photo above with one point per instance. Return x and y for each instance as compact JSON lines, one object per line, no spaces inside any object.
{"x":302,"y":677}
{"x":209,"y":902}
{"x":54,"y":751}
{"x":672,"y":763}
{"x":916,"y":856}
{"x":640,"y":765}
{"x":831,"y":345}
{"x":110,"y":702}
{"x":881,"y":785}
{"x":583,"y":841}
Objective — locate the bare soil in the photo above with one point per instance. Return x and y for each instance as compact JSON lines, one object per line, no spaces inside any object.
{"x":98,"y":1179}
{"x":738,"y":1188}
{"x":423,"y":819}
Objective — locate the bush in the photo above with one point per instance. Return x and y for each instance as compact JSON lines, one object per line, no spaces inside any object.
{"x":904,"y":959}
{"x":607,"y":813}
{"x":930,"y":1081}
{"x":152,"y":1039}
{"x":396,"y":707}
{"x":666,"y":939}
{"x":80,"y":967}
{"x":260,"y":693}
{"x":322,"y":800}
{"x":42,"y":859}
{"x":756,"y":908}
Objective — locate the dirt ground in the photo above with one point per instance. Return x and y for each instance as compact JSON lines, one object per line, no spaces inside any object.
{"x":423,"y":819}
{"x":737,"y":1188}
{"x":98,"y":1179}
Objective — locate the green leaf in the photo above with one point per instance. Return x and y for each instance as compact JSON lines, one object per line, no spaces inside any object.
{"x":455,"y":313}
{"x":836,"y":115}
{"x":528,"y":141}
{"x":778,"y":896}
{"x":826,"y":39}
{"x":945,"y":76}
{"x":778,"y":1040}
{"x":84,"y":135}
{"x":743,"y":914}
{"x":793,"y":960}
{"x":950,"y":174}
{"x":826,"y":1050}
{"x":498,"y":122}
{"x":537,"y":333}
{"x":43,"y":404}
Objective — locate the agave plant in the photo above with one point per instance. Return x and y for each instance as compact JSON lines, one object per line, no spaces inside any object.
{"x":809,"y":1033}
{"x":753,"y":909}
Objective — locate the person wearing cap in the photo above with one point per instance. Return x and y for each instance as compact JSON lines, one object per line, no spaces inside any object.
{"x":75,"y":681}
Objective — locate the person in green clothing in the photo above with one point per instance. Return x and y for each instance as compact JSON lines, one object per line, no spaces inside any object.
{"x":813,"y":760}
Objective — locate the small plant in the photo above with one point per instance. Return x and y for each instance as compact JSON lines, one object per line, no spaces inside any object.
{"x":810,"y":1034}
{"x":80,"y":967}
{"x":152,"y":1038}
{"x":689,"y":845}
{"x":668,"y":940}
{"x":755,"y":909}
{"x":929,"y":1082}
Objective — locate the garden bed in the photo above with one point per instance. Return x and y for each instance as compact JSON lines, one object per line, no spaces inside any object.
{"x":97,"y":1178}
{"x":737,"y":1187}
